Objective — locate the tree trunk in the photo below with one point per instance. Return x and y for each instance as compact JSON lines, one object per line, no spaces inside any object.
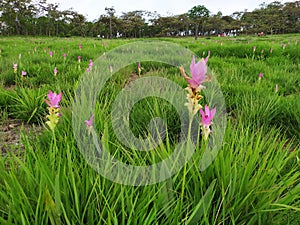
{"x":110,"y":28}
{"x":197,"y":31}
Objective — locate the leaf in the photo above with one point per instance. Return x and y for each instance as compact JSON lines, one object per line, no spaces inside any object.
{"x":203,"y":205}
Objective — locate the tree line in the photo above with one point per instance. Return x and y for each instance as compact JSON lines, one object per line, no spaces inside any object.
{"x":40,"y":18}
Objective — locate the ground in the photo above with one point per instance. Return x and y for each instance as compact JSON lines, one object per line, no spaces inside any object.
{"x":10,"y":134}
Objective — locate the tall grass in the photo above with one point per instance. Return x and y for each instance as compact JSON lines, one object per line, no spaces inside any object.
{"x":253,"y":180}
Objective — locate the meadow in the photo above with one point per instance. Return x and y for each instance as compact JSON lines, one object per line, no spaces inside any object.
{"x":254,"y":179}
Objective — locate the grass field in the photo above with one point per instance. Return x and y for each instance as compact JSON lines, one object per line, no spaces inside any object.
{"x":254,"y":179}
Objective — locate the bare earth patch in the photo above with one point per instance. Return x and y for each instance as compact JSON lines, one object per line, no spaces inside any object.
{"x":10,"y":135}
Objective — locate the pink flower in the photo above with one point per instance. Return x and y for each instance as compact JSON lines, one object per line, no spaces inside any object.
{"x":91,"y":63}
{"x":51,"y":54}
{"x":110,"y":69}
{"x":15,"y":67}
{"x":260,"y":75}
{"x":283,"y":46}
{"x":198,"y":72}
{"x":254,"y":48}
{"x":79,"y":58}
{"x":55,"y":71}
{"x":80,"y":46}
{"x":88,"y":69}
{"x":139,"y":68}
{"x":64,"y":55}
{"x":271,"y":50}
{"x":54,"y":99}
{"x":207,"y":116}
{"x":45,"y":50}
{"x":90,"y":121}
{"x":24,"y":73}
{"x":276,"y":88}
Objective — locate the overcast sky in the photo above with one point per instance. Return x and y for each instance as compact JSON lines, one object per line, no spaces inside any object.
{"x":92,"y":9}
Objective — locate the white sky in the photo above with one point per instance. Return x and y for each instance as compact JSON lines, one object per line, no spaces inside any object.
{"x":92,"y":9}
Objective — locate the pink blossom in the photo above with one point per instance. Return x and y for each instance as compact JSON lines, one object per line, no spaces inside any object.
{"x":88,"y":69}
{"x":260,"y":75}
{"x":80,"y":46}
{"x":254,"y":48}
{"x":207,"y":116}
{"x":24,"y":73}
{"x":55,"y":71}
{"x":276,"y":88}
{"x":79,"y":58}
{"x":91,"y":63}
{"x":54,"y":99}
{"x":139,"y":68}
{"x":51,"y":54}
{"x":15,"y":67}
{"x":110,"y":69}
{"x":90,"y":121}
{"x":64,"y":55}
{"x":271,"y":50}
{"x":198,"y":72}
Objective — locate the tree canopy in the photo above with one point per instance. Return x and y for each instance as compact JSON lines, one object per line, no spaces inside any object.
{"x":38,"y":17}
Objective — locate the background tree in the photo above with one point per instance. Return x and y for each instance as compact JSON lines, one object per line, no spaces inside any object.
{"x":39,"y":17}
{"x":110,"y":11}
{"x":198,"y":15}
{"x":133,"y":23}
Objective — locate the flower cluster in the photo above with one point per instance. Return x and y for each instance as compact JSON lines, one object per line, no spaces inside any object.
{"x":139,"y":68}
{"x":198,"y":77}
{"x":53,"y":108}
{"x":15,"y":67}
{"x":55,"y":71}
{"x":90,"y":66}
{"x":89,"y":123}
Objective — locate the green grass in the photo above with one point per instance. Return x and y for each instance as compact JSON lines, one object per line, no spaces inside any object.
{"x":255,"y":178}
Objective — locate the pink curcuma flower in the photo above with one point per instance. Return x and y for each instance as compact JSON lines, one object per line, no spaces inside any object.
{"x":139,"y":68}
{"x":91,"y":63}
{"x":15,"y":67}
{"x":254,"y":48}
{"x":24,"y":73}
{"x":55,"y":71}
{"x":276,"y":88}
{"x":80,"y":46}
{"x":110,"y":69}
{"x":207,"y":116}
{"x":90,"y":121}
{"x":54,"y":99}
{"x":51,"y":54}
{"x":64,"y":55}
{"x":79,"y":58}
{"x":260,"y":75}
{"x":198,"y":72}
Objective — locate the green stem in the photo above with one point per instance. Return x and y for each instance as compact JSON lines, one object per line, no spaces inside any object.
{"x":185,"y":165}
